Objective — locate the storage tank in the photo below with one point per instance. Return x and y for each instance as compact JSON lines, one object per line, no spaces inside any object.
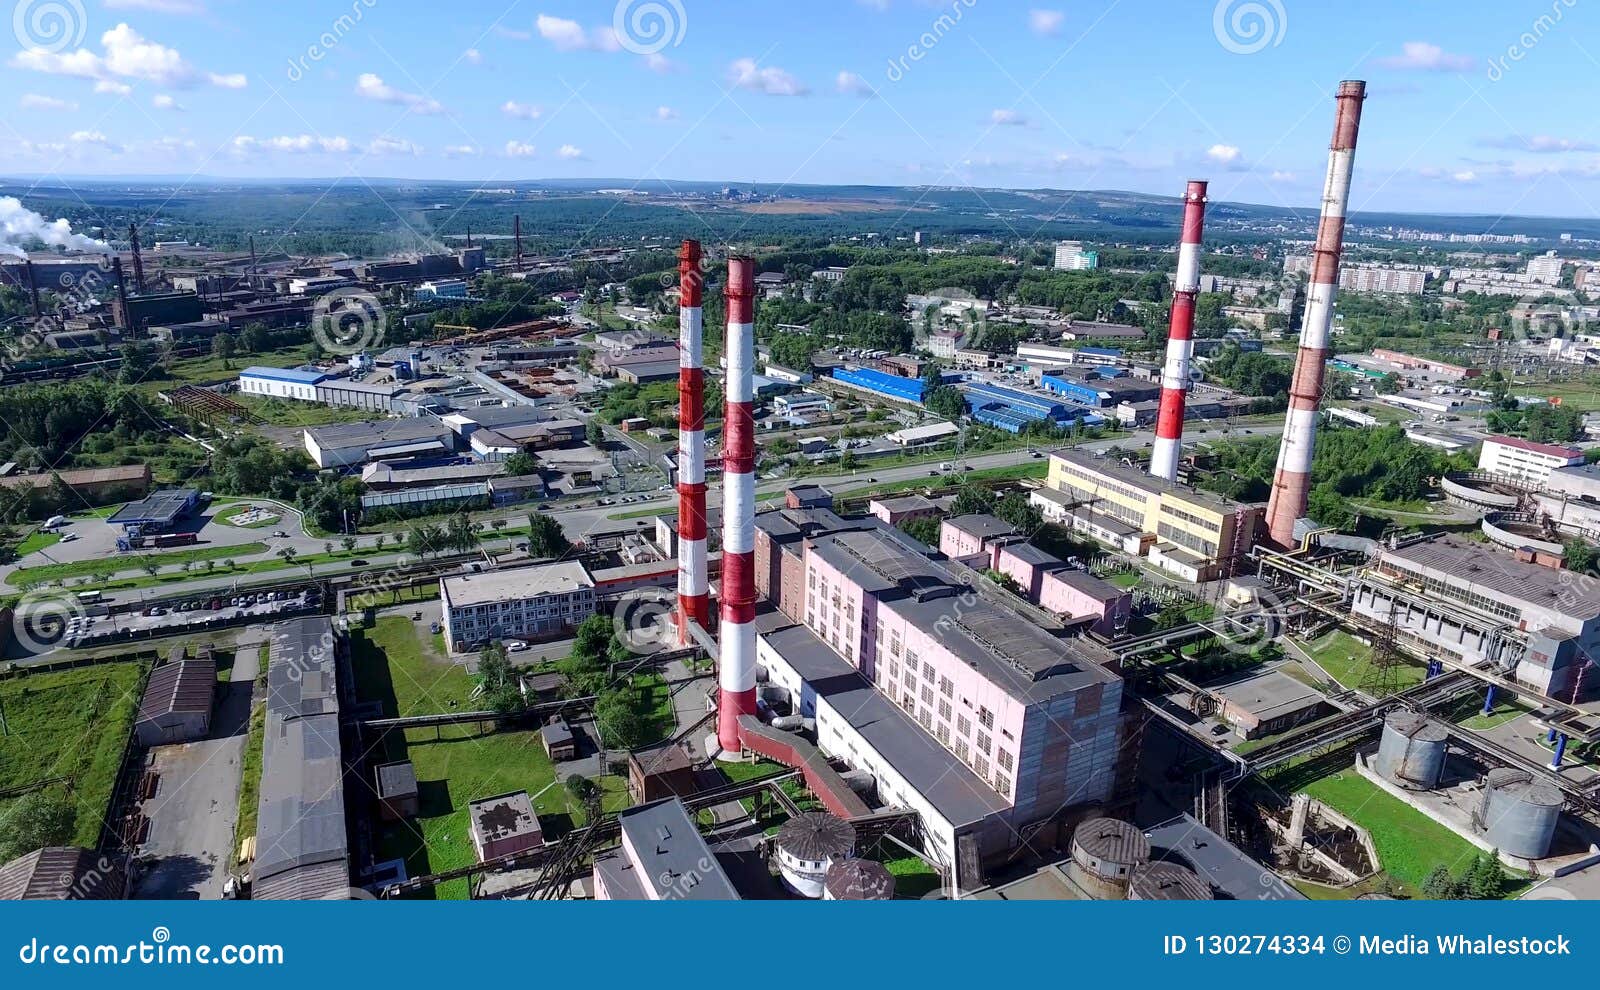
{"x":858,"y":880}
{"x":1518,"y":814}
{"x":1162,"y":881}
{"x":1105,"y":852}
{"x":810,"y":843}
{"x":1411,"y":750}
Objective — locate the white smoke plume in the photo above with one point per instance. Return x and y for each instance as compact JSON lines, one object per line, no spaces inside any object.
{"x":18,"y":224}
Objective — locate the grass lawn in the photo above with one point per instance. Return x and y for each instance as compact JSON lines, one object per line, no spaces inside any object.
{"x":913,"y":878}
{"x":1410,"y":844}
{"x":284,"y":412}
{"x":1349,"y":661}
{"x":208,"y":368}
{"x":238,"y":510}
{"x":28,"y":577}
{"x":1126,"y":579}
{"x":394,"y":666}
{"x":72,"y":724}
{"x":1582,"y":396}
{"x":36,"y":541}
{"x":1468,"y":711}
{"x":250,"y":781}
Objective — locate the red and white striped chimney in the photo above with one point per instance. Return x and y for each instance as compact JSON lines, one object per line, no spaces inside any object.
{"x":1180,"y":337}
{"x":694,"y":599}
{"x":736,"y":640}
{"x":1291,"y":485}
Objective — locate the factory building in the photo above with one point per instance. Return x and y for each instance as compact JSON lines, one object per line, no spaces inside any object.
{"x":662,"y":858}
{"x":1100,"y":389}
{"x":176,"y":706}
{"x":96,"y":486}
{"x":281,"y":383}
{"x":1082,"y":597}
{"x":781,"y":535}
{"x":65,"y":873}
{"x":1011,"y":410}
{"x":1468,"y":604}
{"x":880,"y":384}
{"x":352,"y":444}
{"x":1525,"y":461}
{"x":974,"y":539}
{"x":1192,"y":534}
{"x":535,"y":601}
{"x":302,"y":850}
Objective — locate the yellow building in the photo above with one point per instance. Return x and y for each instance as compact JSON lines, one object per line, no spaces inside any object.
{"x":1189,"y":533}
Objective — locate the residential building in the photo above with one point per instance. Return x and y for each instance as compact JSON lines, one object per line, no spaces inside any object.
{"x":1382,"y":278}
{"x":1545,"y":269}
{"x":1524,"y":460}
{"x":1196,"y":535}
{"x":1070,"y":256}
{"x":536,"y":601}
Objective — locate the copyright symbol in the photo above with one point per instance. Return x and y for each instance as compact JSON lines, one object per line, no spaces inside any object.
{"x":1341,"y":944}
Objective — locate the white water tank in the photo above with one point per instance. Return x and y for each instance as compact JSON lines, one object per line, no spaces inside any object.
{"x":810,"y":843}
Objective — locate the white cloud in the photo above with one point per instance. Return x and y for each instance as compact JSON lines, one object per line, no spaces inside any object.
{"x":1045,"y":22}
{"x":472,"y":56}
{"x":1007,"y":118}
{"x":570,"y":36}
{"x":461,"y":151}
{"x":659,"y":63}
{"x":372,"y":86}
{"x":771,"y":80}
{"x":1422,"y":56}
{"x":127,"y":55}
{"x":392,"y":146}
{"x":1223,"y":154}
{"x":163,"y":101}
{"x":93,"y":139}
{"x":293,"y":144}
{"x":1543,"y":144}
{"x":524,"y":111}
{"x":520,"y":149}
{"x":113,"y":87}
{"x":33,"y":101}
{"x":1464,"y":176}
{"x":570,"y":152}
{"x":666,"y":113}
{"x":1280,"y":176}
{"x":851,"y":84}
{"x":175,"y":7}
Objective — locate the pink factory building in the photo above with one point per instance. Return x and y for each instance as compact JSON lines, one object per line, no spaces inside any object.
{"x":896,"y":510}
{"x":1076,"y":595}
{"x":975,"y":539}
{"x":1031,"y":718}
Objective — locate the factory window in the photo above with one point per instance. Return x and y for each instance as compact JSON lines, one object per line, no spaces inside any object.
{"x":980,"y":764}
{"x":927,"y":670}
{"x":1002,"y":785}
{"x":925,"y":718}
{"x":909,"y":701}
{"x":811,"y":579}
{"x":1002,"y":758}
{"x":894,"y":671}
{"x":946,"y":688}
{"x":927,"y":695}
{"x":983,"y":742}
{"x":985,"y":717}
{"x":944,"y":709}
{"x":963,"y":725}
{"x":943,"y":733}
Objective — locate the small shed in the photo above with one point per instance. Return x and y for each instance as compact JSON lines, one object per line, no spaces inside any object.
{"x":176,"y":706}
{"x":559,"y":742}
{"x":503,"y":825}
{"x":660,"y":772}
{"x":397,"y":791}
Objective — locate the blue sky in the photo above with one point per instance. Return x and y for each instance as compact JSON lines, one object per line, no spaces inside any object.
{"x":1123,"y":94}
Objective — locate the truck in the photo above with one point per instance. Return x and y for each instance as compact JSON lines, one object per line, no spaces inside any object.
{"x":163,"y":540}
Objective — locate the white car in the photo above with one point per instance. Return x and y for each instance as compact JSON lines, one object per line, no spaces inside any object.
{"x":515,"y":646}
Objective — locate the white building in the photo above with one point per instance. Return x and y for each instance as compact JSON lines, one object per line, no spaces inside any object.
{"x":281,"y":383}
{"x":917,"y":436}
{"x":447,"y":288}
{"x":801,"y":403}
{"x":522,"y":602}
{"x":1071,"y":257}
{"x":1525,"y":460}
{"x":1545,"y":269}
{"x":1382,"y":278}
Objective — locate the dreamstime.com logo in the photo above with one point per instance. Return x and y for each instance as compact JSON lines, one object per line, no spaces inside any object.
{"x":643,"y":621}
{"x":159,"y":951}
{"x":49,"y":25}
{"x":347,"y":321}
{"x":42,"y":620}
{"x":648,"y":27}
{"x":1245,"y":27}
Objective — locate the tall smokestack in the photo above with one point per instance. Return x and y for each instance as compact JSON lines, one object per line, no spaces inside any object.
{"x":469,"y":238}
{"x":516,"y":239}
{"x":1291,"y":485}
{"x":694,"y":600}
{"x":33,"y":288}
{"x":1180,"y":337}
{"x":122,"y":294}
{"x":736,"y":676}
{"x":138,"y":262}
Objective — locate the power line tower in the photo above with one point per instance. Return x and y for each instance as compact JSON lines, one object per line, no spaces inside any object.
{"x":1383,"y":672}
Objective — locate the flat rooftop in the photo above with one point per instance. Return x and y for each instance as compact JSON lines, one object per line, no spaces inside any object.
{"x":958,"y":794}
{"x":504,"y":816}
{"x":1217,"y":861}
{"x":881,"y":563}
{"x":1470,"y":567}
{"x":375,"y":434}
{"x":157,"y":507}
{"x":1142,"y":481}
{"x":516,"y":584}
{"x":673,"y":861}
{"x":1269,"y":695}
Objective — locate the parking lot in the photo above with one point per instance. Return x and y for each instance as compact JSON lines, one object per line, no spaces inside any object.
{"x":194,"y":613}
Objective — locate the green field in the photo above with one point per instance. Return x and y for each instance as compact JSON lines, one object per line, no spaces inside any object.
{"x":1582,"y":396}
{"x":71,"y":724}
{"x":1349,"y":661}
{"x":292,"y":413}
{"x":106,"y":567}
{"x":393,"y":665}
{"x":1409,"y":843}
{"x":36,"y":541}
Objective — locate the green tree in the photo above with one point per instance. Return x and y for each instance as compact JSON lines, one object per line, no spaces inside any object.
{"x":37,"y":819}
{"x":521,"y":464}
{"x":595,"y":434}
{"x":545,"y":538}
{"x":1440,"y":885}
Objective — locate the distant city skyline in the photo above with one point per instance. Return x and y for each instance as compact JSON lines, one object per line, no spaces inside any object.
{"x":1466,"y":114}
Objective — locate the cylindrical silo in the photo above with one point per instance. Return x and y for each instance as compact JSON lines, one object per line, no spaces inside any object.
{"x":1162,"y":881}
{"x":1105,"y":852}
{"x":858,"y":880}
{"x":1411,"y":750}
{"x":810,"y":843}
{"x":1519,"y":814}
